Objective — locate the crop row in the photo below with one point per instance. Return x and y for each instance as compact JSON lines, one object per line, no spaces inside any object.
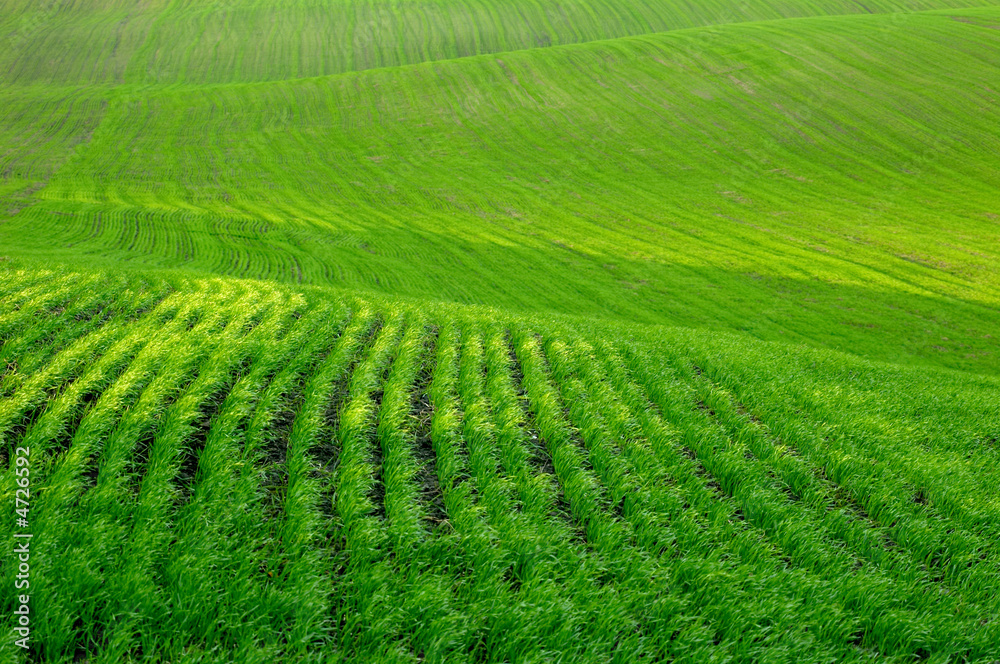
{"x":233,"y":466}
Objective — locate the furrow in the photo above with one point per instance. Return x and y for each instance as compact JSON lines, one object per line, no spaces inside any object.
{"x":98,"y":493}
{"x":260,"y":599}
{"x":307,"y":521}
{"x":650,"y":621}
{"x":148,"y":530}
{"x":953,"y":551}
{"x":395,"y":480}
{"x":894,"y":618}
{"x":207,"y":552}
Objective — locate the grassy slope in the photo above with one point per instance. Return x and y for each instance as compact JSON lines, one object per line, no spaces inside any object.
{"x":470,"y":450}
{"x":186,"y":41}
{"x":279,"y":474}
{"x":830,"y":181}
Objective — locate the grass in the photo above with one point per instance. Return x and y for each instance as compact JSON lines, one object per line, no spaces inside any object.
{"x":771,"y":178}
{"x":161,"y":43}
{"x":392,"y":482}
{"x":502,"y":332}
{"x":448,"y":488}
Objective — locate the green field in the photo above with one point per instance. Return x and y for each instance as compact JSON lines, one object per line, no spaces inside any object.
{"x":501,"y":331}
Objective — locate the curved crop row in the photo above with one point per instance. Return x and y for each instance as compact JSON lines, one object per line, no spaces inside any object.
{"x":280,"y":474}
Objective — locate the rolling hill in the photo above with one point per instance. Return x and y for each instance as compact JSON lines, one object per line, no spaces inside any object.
{"x":501,"y":331}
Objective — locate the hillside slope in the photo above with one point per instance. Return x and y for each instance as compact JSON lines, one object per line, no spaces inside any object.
{"x":74,"y":42}
{"x":523,"y":331}
{"x":831,"y":181}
